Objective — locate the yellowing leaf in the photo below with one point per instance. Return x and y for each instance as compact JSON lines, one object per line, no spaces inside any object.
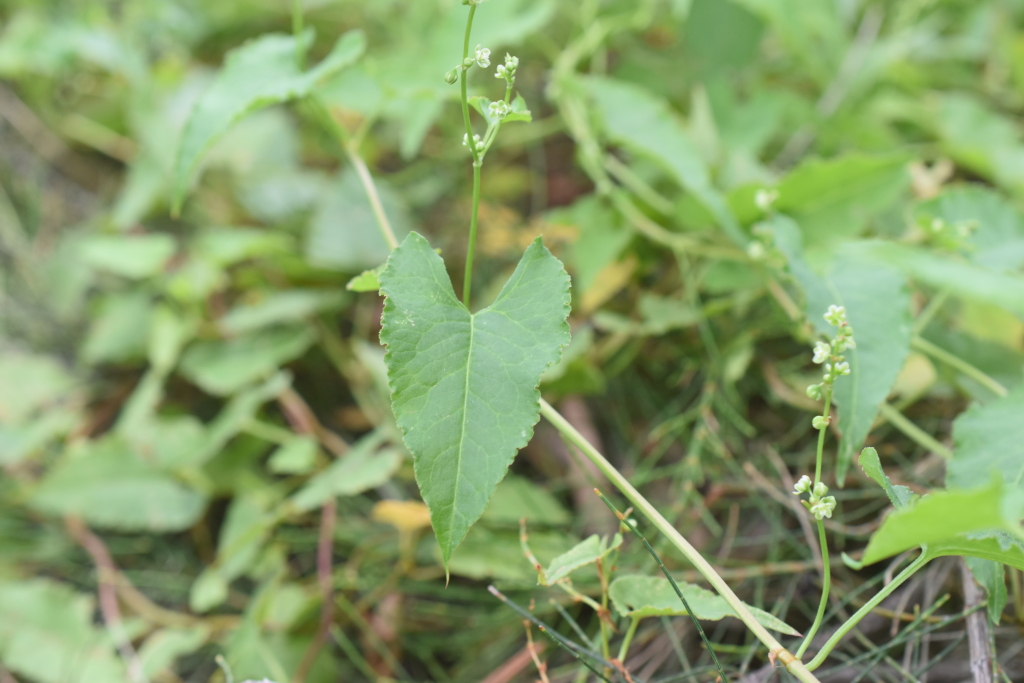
{"x":404,"y":515}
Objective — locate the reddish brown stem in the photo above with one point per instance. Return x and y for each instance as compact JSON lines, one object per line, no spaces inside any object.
{"x":106,"y":577}
{"x":325,"y":579}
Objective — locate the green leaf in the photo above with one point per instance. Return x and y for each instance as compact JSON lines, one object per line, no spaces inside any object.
{"x":955,"y":274}
{"x":877,"y":303}
{"x":989,"y":439}
{"x":517,"y":498}
{"x":30,"y":383}
{"x":343,"y":232}
{"x":639,"y":596}
{"x":110,"y":487}
{"x":297,"y":456}
{"x":643,"y":121}
{"x":998,"y":241}
{"x":288,"y":306}
{"x":583,"y":553}
{"x":944,"y":517}
{"x":495,"y":554}
{"x":130,"y":256}
{"x":47,"y":635}
{"x":260,"y":73}
{"x":997,"y":546}
{"x":900,"y":496}
{"x":366,"y":281}
{"x":835,"y":198}
{"x":120,"y":331}
{"x":519,"y":110}
{"x":464,"y":386}
{"x":362,"y":468}
{"x":165,"y":646}
{"x":222,"y":368}
{"x":992,"y":577}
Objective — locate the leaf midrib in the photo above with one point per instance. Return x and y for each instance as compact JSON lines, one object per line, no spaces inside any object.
{"x":465,"y":410}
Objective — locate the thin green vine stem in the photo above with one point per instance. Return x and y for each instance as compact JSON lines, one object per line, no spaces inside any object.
{"x":942,"y":355}
{"x":464,"y":87}
{"x":668,"y":575}
{"x":821,"y":437}
{"x":467,"y":282}
{"x":826,"y":584}
{"x":871,"y":604}
{"x":345,"y":142}
{"x":776,"y":651}
{"x":627,"y":639}
{"x":915,"y":433}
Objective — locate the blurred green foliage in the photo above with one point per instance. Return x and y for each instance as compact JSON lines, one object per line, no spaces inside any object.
{"x":185,"y":391}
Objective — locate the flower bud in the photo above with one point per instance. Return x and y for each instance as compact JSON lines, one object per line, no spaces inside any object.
{"x":452,"y":76}
{"x":802,"y":486}
{"x":820,"y":422}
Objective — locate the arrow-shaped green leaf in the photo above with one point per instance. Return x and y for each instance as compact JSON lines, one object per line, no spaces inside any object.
{"x":464,"y":386}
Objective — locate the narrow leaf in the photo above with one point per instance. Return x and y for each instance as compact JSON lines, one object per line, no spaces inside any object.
{"x":877,"y":303}
{"x":992,"y":577}
{"x":362,"y":468}
{"x":900,"y":496}
{"x":638,"y":596}
{"x":645,"y":122}
{"x":258,"y":74}
{"x":583,"y":553}
{"x":464,"y":386}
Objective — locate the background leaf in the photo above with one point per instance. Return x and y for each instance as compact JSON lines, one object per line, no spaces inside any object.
{"x":110,"y":487}
{"x":989,"y":439}
{"x":858,"y":281}
{"x":258,"y":74}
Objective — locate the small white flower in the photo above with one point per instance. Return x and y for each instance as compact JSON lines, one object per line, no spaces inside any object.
{"x":764,"y":199}
{"x":483,"y":57}
{"x":802,"y":486}
{"x":814,"y":391}
{"x":822,"y":352}
{"x":499,"y":110}
{"x":836,"y":315}
{"x":823,"y":508}
{"x":478,"y":144}
{"x":841,"y":369}
{"x":756,"y":250}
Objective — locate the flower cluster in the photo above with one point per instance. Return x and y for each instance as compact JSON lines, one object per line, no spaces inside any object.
{"x":820,"y":504}
{"x":499,"y":110}
{"x":830,"y":354}
{"x":478,"y":144}
{"x":508,"y":69}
